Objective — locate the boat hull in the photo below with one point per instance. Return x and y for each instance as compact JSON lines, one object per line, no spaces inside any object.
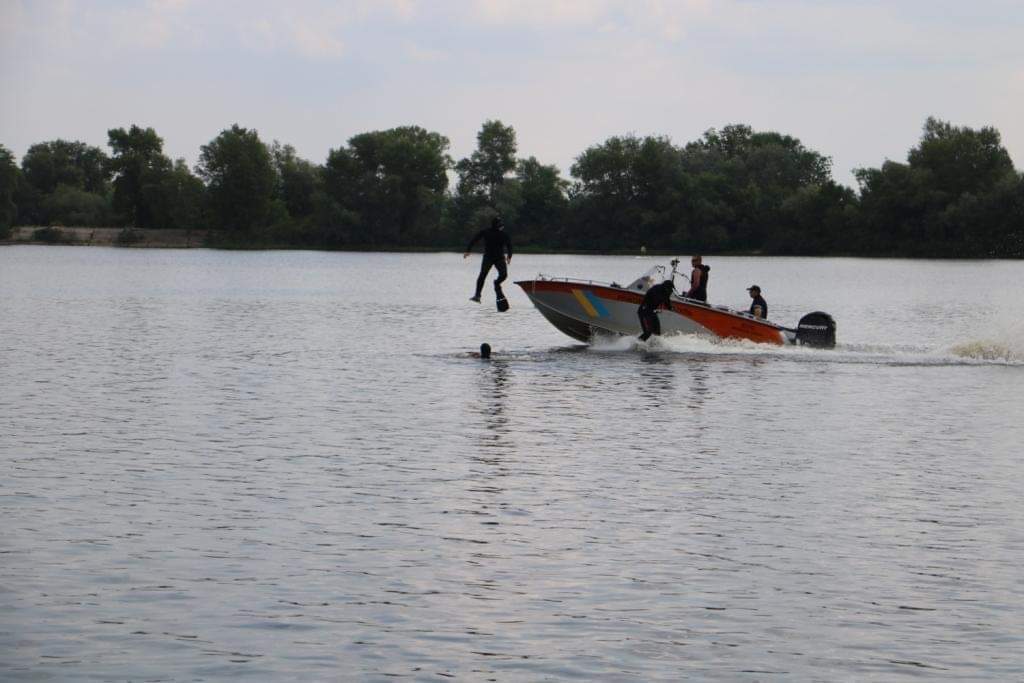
{"x":583,"y":310}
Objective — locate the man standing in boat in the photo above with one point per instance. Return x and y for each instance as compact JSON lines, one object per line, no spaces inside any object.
{"x":698,"y":280}
{"x":658,"y":296}
{"x":496,"y":245}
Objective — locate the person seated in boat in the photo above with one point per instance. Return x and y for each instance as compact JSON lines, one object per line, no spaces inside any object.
{"x":698,"y":280}
{"x":658,"y":296}
{"x":758,"y":306}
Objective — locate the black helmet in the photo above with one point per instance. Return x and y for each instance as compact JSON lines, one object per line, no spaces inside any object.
{"x":496,"y":222}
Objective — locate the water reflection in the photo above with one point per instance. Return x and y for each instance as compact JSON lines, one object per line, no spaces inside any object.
{"x":491,"y":407}
{"x":699,"y":389}
{"x":312,"y":487}
{"x":656,"y":378}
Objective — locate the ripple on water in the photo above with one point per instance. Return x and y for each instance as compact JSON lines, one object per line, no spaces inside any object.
{"x":230,"y":465}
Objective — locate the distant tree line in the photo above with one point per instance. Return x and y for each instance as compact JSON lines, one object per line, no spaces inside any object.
{"x":735,"y":190}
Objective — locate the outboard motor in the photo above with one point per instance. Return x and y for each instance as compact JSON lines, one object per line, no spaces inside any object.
{"x":816,"y":329}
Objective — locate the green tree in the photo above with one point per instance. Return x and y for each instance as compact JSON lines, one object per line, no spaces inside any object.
{"x":729,"y":190}
{"x":47,"y":166}
{"x":240,"y":179}
{"x":772,"y":158}
{"x":393,"y":182}
{"x":960,"y":159}
{"x":9,"y":179}
{"x":816,"y":220}
{"x":988,"y":224}
{"x":543,"y":203}
{"x":298,"y":180}
{"x":895,"y":203}
{"x":629,"y":193}
{"x":61,"y":162}
{"x":68,"y":205}
{"x":138,"y":164}
{"x":739,"y":181}
{"x":175,"y":199}
{"x":955,"y":196}
{"x":495,"y":157}
{"x":482,"y":190}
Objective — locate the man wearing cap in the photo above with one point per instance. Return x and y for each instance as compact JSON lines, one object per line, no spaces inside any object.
{"x":758,"y":307}
{"x":496,"y":244}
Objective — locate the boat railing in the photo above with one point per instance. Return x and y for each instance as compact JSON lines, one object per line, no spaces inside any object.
{"x":580,"y":280}
{"x":641,"y":284}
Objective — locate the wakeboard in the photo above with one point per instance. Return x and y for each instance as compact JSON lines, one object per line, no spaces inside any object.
{"x":500,"y":301}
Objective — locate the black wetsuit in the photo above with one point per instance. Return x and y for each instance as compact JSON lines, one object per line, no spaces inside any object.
{"x":701,"y":292}
{"x":655,"y":298}
{"x":496,"y":243}
{"x":759,"y":301}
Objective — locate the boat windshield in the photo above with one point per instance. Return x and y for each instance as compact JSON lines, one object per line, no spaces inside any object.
{"x":652,"y":277}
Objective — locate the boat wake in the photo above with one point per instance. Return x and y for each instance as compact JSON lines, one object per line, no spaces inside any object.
{"x":1004,"y":348}
{"x":990,"y":350}
{"x":976,"y":352}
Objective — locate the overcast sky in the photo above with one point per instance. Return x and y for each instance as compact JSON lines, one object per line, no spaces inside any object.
{"x":852,"y":80}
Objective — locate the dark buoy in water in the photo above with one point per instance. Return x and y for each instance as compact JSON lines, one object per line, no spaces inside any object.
{"x":485,"y":351}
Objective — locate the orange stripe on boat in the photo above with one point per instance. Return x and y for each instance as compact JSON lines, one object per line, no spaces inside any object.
{"x":730,"y":326}
{"x":585,"y":303}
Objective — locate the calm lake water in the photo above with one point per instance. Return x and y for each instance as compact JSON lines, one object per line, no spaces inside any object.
{"x":287,"y":466}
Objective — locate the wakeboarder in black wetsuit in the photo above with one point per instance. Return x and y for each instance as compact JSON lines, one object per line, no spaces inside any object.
{"x":658,"y":296}
{"x":496,"y":244}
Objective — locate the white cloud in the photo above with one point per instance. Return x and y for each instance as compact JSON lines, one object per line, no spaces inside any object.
{"x":852,"y":80}
{"x":540,"y":13}
{"x":317,"y":37}
{"x":316,"y":41}
{"x":315,"y":29}
{"x":668,"y":19}
{"x":671,"y":21}
{"x":418,"y":53}
{"x":13,"y":21}
{"x":153,"y":25}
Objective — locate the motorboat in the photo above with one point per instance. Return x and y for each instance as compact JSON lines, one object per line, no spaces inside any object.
{"x":585,"y":309}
